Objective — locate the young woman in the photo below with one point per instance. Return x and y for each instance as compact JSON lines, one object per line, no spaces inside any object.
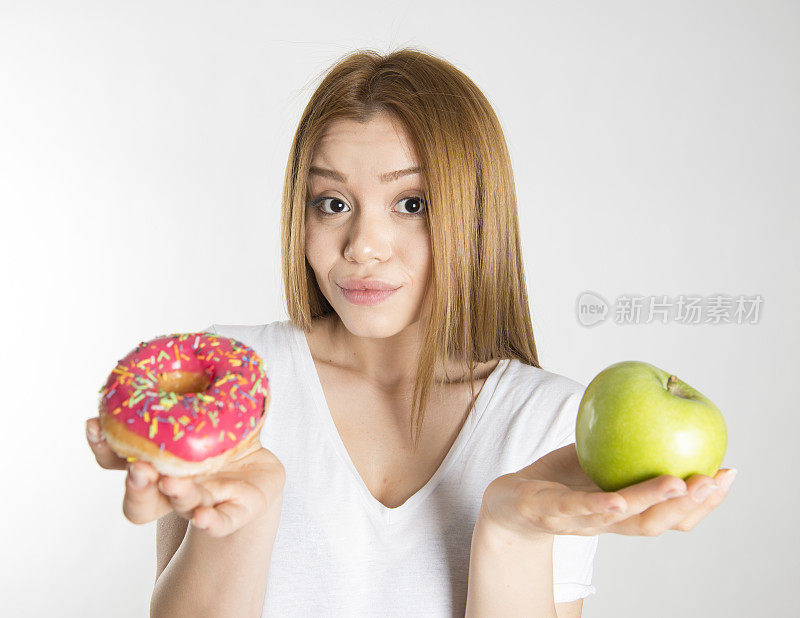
{"x":417,"y":460}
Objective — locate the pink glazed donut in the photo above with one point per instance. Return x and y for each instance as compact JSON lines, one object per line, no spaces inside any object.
{"x":186,"y":403}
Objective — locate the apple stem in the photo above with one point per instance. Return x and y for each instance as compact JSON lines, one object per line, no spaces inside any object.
{"x":672,"y":383}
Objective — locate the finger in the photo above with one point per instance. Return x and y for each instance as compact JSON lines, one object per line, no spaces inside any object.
{"x":661,"y":517}
{"x":560,"y":501}
{"x":236,"y":503}
{"x":185,"y":494}
{"x":623,"y":506}
{"x":103,"y":454}
{"x":641,"y":496}
{"x":664,"y":515}
{"x":724,"y":479}
{"x":143,"y":502}
{"x":222,"y":519}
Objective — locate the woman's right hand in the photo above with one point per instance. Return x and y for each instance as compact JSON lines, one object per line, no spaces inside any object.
{"x":219,"y":503}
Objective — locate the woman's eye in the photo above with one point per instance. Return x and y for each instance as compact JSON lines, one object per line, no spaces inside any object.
{"x":337,"y":206}
{"x":418,"y":208}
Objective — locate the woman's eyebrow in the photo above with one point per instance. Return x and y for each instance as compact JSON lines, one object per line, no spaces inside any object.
{"x":387,"y":177}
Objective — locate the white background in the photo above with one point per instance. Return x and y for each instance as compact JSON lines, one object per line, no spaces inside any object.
{"x":656,"y":150}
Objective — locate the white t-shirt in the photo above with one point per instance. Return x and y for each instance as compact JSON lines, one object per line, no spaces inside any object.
{"x":339,"y":551}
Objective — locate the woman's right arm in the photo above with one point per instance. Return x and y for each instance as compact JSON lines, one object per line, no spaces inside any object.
{"x":215,"y":532}
{"x":214,"y":577}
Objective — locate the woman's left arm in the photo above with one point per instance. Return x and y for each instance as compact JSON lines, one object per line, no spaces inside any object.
{"x":509,"y":575}
{"x":511,"y":560}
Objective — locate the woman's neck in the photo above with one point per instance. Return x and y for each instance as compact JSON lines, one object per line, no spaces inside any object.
{"x":389,"y":362}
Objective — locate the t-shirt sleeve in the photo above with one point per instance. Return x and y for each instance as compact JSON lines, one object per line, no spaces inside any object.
{"x":567,"y":416}
{"x":573,"y":555}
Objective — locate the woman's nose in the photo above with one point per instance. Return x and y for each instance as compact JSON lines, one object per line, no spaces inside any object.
{"x":369,"y":239}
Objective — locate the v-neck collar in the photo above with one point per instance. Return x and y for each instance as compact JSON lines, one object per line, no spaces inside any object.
{"x":375,"y":506}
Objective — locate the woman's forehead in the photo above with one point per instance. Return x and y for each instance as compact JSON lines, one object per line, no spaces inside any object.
{"x":343,"y":136}
{"x":387,"y":161}
{"x":378,"y":148}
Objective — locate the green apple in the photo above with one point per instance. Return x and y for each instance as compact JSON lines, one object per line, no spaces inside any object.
{"x":636,"y":422}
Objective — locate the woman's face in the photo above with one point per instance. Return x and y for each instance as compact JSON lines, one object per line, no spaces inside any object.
{"x":364,"y":223}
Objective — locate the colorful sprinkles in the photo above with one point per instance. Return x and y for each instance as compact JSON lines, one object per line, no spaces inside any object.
{"x":193,"y":426}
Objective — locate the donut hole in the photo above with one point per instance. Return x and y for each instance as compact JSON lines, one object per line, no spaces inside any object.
{"x":182,"y":382}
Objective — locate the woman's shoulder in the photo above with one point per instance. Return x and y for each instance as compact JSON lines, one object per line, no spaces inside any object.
{"x":530,"y":381}
{"x":260,"y":337}
{"x":539,"y":405}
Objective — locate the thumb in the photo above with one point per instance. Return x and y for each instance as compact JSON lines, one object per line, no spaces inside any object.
{"x":143,"y":502}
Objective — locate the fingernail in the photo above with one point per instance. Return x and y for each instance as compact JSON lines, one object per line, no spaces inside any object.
{"x":674,"y":493}
{"x":614,"y":509}
{"x":727,"y":480}
{"x":138,"y":478}
{"x":92,"y":433}
{"x":704,"y":492}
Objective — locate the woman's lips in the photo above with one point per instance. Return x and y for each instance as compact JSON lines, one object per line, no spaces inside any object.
{"x":366,"y":297}
{"x":368,"y":284}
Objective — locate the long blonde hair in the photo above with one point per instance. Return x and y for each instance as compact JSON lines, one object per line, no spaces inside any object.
{"x":479,"y":302}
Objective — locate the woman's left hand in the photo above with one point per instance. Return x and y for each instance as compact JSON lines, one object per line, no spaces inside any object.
{"x":554,"y":495}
